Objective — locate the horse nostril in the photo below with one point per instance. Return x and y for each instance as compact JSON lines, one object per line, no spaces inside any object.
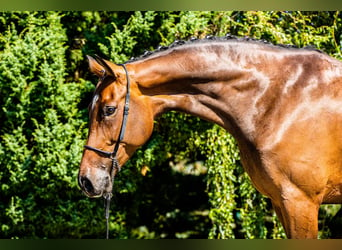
{"x":86,"y":185}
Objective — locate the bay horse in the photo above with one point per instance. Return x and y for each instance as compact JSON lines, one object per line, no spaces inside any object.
{"x":283,"y":105}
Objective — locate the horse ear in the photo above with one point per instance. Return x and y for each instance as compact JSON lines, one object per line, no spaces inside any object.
{"x":95,"y":67}
{"x":99,"y":67}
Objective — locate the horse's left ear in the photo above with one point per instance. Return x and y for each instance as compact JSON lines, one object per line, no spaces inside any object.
{"x":99,"y":67}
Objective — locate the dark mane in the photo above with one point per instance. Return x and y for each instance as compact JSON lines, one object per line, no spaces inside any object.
{"x":210,"y":38}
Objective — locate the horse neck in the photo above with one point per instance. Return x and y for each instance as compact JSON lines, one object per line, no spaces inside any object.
{"x":203,"y":82}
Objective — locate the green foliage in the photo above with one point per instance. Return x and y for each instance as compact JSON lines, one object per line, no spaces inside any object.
{"x":186,"y":182}
{"x":41,"y":132}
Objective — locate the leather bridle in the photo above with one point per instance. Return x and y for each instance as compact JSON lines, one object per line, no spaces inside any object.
{"x":113,"y":155}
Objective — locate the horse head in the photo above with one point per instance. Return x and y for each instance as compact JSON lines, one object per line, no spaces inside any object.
{"x":120,"y":120}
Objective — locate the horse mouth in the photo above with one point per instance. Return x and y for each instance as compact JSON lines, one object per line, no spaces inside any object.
{"x":93,"y":195}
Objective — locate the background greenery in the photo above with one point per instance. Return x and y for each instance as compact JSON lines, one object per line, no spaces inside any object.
{"x":186,"y":182}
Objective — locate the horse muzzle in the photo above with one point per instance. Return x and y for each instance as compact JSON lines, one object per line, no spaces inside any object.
{"x":96,"y":184}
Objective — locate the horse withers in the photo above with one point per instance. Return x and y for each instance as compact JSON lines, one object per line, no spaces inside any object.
{"x":283,"y":105}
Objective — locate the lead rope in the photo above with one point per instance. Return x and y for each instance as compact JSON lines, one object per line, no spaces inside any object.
{"x":115,"y":169}
{"x":107,"y":200}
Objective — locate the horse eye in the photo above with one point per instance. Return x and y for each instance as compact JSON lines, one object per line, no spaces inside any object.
{"x":109,"y":110}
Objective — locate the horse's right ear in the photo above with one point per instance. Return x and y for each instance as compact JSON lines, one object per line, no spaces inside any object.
{"x":96,"y":68}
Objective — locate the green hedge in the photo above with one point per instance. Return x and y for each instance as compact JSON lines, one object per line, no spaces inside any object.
{"x":186,"y":182}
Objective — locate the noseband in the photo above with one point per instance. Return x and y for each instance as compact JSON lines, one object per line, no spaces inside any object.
{"x":113,"y":155}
